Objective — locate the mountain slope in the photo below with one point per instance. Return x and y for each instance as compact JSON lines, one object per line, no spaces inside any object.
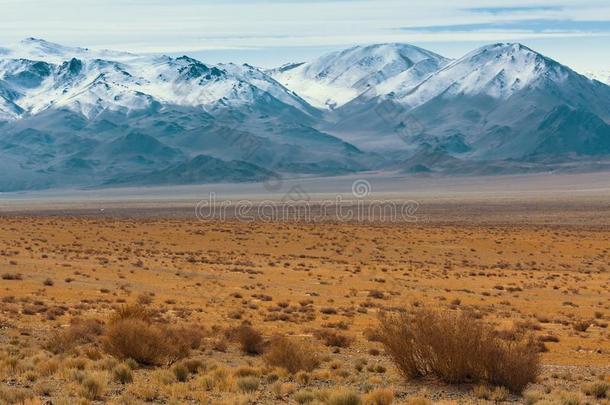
{"x":337,"y":78}
{"x":492,"y":100}
{"x":201,"y":169}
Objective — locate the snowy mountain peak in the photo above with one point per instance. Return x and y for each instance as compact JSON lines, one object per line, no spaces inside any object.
{"x":37,"y":75}
{"x":335,"y":79}
{"x":42,"y":50}
{"x":42,"y":47}
{"x":497,"y":70}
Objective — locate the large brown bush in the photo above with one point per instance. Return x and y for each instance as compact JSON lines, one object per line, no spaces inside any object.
{"x":131,"y":333}
{"x":292,"y":354}
{"x":457,"y":348}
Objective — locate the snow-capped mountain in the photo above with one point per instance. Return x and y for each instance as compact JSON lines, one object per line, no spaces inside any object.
{"x":43,"y":75}
{"x":497,"y":71}
{"x":490,"y":104}
{"x":339,"y":77}
{"x":73,"y":117}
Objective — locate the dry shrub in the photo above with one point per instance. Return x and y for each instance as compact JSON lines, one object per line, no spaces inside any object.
{"x":247,"y":384}
{"x":291,"y":354}
{"x":133,"y":311}
{"x":93,"y":388}
{"x":333,"y":338}
{"x":190,"y":336}
{"x":131,"y":334}
{"x":457,"y":348}
{"x":79,"y":332}
{"x":250,"y":340}
{"x":122,"y":374}
{"x":511,"y":364}
{"x":138,"y":340}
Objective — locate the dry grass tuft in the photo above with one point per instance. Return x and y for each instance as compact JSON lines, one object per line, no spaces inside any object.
{"x":343,"y":396}
{"x":122,"y":374}
{"x":93,"y":388}
{"x":379,"y":396}
{"x":457,"y":348}
{"x":247,"y":384}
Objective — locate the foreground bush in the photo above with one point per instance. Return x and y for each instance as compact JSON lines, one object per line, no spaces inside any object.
{"x":457,"y":348}
{"x":130,"y":334}
{"x":291,"y":354}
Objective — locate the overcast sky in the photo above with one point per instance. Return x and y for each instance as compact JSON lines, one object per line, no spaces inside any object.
{"x":272,"y":32}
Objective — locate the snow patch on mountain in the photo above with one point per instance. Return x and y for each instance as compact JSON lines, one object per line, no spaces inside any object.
{"x":497,"y":71}
{"x":339,"y":77}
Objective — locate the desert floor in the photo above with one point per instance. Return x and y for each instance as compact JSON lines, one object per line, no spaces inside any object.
{"x":540,"y":266}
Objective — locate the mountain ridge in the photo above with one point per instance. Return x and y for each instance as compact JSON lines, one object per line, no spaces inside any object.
{"x":85,"y":118}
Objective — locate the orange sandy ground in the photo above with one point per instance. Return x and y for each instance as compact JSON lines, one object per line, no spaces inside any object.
{"x":554,"y":276}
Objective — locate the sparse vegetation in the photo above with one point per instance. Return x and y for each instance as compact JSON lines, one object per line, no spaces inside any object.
{"x":148,"y":316}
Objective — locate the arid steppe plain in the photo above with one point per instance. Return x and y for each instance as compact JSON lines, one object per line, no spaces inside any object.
{"x":528,"y":259}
